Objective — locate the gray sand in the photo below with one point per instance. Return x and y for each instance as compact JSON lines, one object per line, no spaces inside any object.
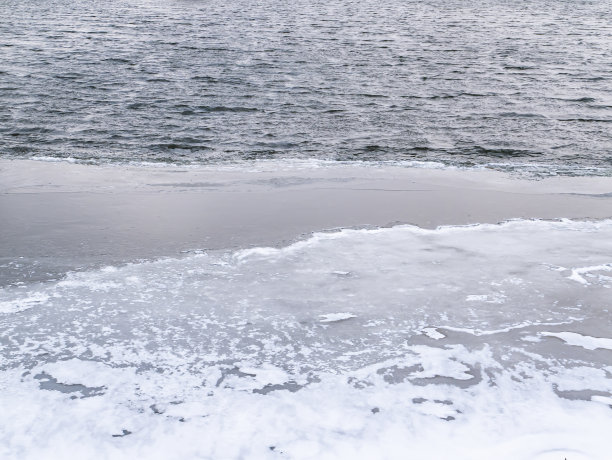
{"x":60,"y":216}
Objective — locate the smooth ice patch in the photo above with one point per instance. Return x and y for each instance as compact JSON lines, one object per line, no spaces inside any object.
{"x":433,"y":333}
{"x":579,"y":340}
{"x":332,"y":317}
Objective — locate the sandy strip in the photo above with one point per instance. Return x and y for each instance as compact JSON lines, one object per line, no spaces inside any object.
{"x":61,"y":216}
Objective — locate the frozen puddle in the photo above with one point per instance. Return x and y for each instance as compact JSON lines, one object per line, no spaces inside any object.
{"x":455,"y":343}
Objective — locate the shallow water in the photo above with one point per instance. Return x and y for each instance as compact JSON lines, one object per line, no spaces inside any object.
{"x":514,"y":84}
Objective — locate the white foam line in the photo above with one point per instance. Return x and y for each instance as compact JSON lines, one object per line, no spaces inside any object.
{"x":317,"y":163}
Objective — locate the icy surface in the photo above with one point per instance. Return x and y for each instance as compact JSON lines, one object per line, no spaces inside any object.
{"x":331,"y":317}
{"x":584,"y":341}
{"x":386,"y":343}
{"x":433,"y":333}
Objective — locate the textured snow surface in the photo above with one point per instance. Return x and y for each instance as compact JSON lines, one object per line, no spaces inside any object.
{"x":387,"y":343}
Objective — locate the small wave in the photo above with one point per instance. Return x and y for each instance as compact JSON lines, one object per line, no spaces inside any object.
{"x":205,"y":78}
{"x":581,"y":99}
{"x":587,"y":120}
{"x":519,"y":67}
{"x":503,"y":152}
{"x":116,"y":60}
{"x":222,"y":108}
{"x":184,"y":145}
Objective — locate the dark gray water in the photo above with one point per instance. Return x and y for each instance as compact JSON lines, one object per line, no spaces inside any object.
{"x":461,"y":82}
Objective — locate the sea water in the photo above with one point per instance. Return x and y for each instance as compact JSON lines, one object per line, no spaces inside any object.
{"x":506,"y":84}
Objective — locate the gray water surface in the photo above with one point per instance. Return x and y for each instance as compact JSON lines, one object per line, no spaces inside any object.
{"x":468,"y":83}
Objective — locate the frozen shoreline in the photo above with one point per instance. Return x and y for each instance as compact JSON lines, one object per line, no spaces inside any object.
{"x":467,"y":342}
{"x":474,"y":341}
{"x":59,"y":217}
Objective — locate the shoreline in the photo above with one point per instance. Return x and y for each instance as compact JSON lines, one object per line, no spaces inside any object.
{"x":60,"y":217}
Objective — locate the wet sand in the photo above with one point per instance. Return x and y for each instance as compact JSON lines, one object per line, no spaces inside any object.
{"x":58,"y":217}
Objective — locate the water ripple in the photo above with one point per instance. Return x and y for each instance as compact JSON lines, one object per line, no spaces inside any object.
{"x":464,"y":83}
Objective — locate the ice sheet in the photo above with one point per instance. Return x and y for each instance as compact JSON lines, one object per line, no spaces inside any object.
{"x":356,"y":343}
